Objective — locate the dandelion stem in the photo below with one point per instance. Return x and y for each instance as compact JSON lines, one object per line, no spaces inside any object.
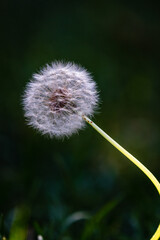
{"x":156,"y":236}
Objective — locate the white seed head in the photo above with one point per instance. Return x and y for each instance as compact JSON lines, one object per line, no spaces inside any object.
{"x":56,"y":98}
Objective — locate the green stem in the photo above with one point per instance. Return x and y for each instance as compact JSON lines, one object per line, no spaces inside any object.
{"x":156,"y":236}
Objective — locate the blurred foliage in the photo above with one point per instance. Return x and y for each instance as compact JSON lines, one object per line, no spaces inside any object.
{"x":68,"y":189}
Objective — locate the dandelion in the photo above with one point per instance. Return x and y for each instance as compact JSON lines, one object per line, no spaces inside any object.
{"x":58,"y":101}
{"x":56,"y":98}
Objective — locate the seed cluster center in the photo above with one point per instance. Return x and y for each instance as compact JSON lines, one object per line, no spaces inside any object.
{"x":59,"y":100}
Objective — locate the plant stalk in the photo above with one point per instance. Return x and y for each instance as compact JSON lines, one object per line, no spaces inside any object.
{"x":156,"y":236}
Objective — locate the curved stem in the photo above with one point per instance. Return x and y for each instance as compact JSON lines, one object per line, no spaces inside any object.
{"x":156,"y":236}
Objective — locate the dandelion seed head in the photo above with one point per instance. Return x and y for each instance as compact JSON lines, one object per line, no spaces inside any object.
{"x":56,"y":98}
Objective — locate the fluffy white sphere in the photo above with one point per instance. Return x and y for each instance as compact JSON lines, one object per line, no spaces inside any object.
{"x":56,"y":98}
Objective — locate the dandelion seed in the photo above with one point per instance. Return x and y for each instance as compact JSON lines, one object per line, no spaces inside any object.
{"x":56,"y":98}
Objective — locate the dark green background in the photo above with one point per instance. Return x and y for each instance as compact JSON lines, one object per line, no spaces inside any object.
{"x":43,"y":181}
